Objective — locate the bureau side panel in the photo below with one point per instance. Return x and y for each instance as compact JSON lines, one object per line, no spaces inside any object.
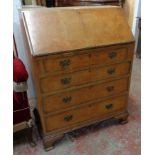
{"x":33,"y":65}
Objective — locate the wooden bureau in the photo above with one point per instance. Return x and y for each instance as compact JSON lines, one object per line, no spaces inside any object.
{"x":81,"y":61}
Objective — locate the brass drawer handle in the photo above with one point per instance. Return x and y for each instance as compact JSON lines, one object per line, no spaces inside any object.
{"x":112,"y":55}
{"x":67,"y":99}
{"x":111,"y":71}
{"x":68,"y":118}
{"x":110,"y":88}
{"x":66,"y":81}
{"x":64,"y":63}
{"x":109,"y":106}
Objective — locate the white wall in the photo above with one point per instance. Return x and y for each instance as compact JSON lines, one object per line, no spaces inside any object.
{"x":137,"y":13}
{"x":20,"y":45}
{"x":139,"y":9}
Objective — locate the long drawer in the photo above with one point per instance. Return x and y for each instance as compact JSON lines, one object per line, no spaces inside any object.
{"x":53,"y":83}
{"x":68,"y":62}
{"x":77,"y":115}
{"x":68,"y":99}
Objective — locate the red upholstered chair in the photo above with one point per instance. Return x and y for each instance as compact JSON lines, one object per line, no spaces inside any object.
{"x":21,"y":110}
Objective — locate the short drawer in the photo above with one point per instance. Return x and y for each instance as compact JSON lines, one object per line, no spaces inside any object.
{"x":91,"y":111}
{"x":110,"y":71}
{"x":63,"y":81}
{"x":68,"y":99}
{"x":51,"y":64}
{"x":108,"y":55}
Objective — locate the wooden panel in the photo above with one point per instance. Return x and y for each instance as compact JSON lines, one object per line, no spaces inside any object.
{"x":78,"y":115}
{"x":52,"y":83}
{"x":53,"y":31}
{"x":65,"y":63}
{"x":78,"y":96}
{"x":110,"y":71}
{"x":107,"y":56}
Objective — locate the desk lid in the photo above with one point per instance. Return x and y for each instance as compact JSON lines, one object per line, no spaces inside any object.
{"x":52,"y":30}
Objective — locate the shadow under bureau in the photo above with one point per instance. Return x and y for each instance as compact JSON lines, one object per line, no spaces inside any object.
{"x":81,"y":61}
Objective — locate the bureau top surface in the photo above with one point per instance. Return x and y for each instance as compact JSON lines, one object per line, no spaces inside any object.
{"x":53,"y":30}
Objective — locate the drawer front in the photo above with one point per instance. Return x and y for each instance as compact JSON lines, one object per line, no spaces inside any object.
{"x":65,"y":64}
{"x":67,"y":99}
{"x":95,"y":110}
{"x":68,"y":62}
{"x":108,"y":56}
{"x":110,"y":71}
{"x":52,"y":83}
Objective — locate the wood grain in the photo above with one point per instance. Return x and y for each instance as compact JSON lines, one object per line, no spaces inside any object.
{"x":78,"y":115}
{"x":75,"y":28}
{"x":53,"y":83}
{"x":68,"y":99}
{"x":81,"y":67}
{"x":70,"y":62}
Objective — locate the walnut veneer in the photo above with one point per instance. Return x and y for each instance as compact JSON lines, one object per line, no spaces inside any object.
{"x":81,"y":60}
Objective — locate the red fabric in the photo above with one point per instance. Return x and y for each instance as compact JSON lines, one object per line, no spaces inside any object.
{"x":20,"y":100}
{"x":21,"y":111}
{"x":19,"y":71}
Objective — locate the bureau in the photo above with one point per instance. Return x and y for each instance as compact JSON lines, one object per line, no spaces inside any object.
{"x":81,"y":61}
